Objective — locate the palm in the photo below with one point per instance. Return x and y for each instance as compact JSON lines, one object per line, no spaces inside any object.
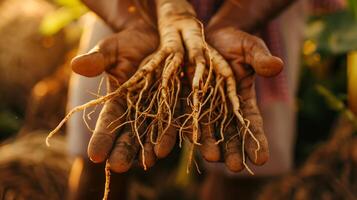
{"x":119,"y":55}
{"x":248,"y":56}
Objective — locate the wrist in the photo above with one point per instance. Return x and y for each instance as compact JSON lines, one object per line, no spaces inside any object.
{"x":121,"y":14}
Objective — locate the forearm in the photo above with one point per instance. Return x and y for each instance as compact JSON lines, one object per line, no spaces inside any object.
{"x":120,"y":13}
{"x":247,"y":15}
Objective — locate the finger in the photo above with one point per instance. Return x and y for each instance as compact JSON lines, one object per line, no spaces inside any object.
{"x":232,"y":149}
{"x":150,"y":157}
{"x":166,"y":142}
{"x":259,"y":57}
{"x":104,"y":135}
{"x":121,"y":72}
{"x":247,"y":49}
{"x":123,"y":154}
{"x":193,"y":44}
{"x":187,"y":125}
{"x":98,"y":59}
{"x":249,"y":107}
{"x":209,"y":149}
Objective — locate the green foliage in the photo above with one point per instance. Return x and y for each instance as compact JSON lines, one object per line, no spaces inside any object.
{"x":333,"y":101}
{"x":9,"y":123}
{"x":334,"y":33}
{"x":352,"y":4}
{"x":336,"y":103}
{"x":315,"y":115}
{"x":69,"y":11}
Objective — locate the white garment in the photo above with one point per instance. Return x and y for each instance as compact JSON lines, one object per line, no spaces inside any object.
{"x":80,"y":87}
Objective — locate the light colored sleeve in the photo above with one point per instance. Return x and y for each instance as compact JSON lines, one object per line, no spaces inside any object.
{"x":80,"y":88}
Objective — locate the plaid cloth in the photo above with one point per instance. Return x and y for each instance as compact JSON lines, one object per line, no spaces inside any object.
{"x":274,"y":89}
{"x":269,"y":89}
{"x":275,"y":95}
{"x":271,"y":92}
{"x":319,"y":7}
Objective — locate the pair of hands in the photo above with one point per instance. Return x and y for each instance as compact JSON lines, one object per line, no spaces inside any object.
{"x":136,"y":38}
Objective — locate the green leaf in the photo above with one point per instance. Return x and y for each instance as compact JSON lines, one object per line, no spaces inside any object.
{"x":352,"y":5}
{"x":333,"y":33}
{"x":334,"y":103}
{"x":57,"y":20}
{"x":9,"y":122}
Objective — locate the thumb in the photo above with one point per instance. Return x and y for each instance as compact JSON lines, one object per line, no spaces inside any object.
{"x":97,"y":60}
{"x":259,"y":57}
{"x":267,"y":65}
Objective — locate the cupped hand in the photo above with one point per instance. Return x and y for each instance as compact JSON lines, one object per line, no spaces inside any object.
{"x":119,"y":56}
{"x":248,"y":56}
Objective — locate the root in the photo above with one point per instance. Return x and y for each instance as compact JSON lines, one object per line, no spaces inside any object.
{"x":243,"y":154}
{"x":225,"y":70}
{"x":86,"y":122}
{"x":225,"y":111}
{"x":136,"y":128}
{"x":152,"y":93}
{"x":107,"y":181}
{"x":191,"y":148}
{"x":197,"y":167}
{"x":91,"y":103}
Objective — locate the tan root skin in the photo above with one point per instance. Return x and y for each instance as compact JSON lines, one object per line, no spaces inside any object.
{"x":213,"y":95}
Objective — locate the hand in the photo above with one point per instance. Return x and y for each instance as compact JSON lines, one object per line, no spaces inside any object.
{"x":119,"y":56}
{"x":247,"y":55}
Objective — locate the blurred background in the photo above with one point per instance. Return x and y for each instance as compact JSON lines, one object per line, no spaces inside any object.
{"x":38,"y":38}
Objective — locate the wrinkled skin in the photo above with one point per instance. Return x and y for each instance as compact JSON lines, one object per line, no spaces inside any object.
{"x":119,"y":56}
{"x":248,"y":56}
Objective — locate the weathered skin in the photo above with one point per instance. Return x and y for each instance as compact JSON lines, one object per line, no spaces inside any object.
{"x":121,"y":54}
{"x":247,"y":56}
